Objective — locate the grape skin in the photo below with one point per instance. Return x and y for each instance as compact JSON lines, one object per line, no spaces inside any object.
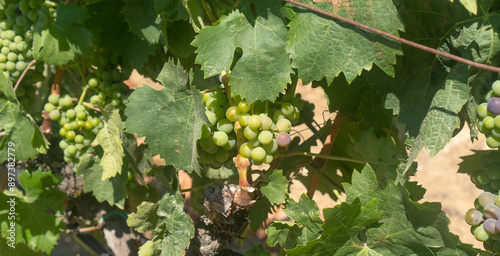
{"x":284,"y":125}
{"x":283,"y":139}
{"x":259,"y":154}
{"x":491,"y":211}
{"x":486,"y":198}
{"x":494,"y":105}
{"x":490,"y":226}
{"x":220,"y":138}
{"x":480,"y":234}
{"x":473,"y":217}
{"x":265,"y":137}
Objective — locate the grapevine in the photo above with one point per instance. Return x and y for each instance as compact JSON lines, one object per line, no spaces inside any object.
{"x":184,"y":127}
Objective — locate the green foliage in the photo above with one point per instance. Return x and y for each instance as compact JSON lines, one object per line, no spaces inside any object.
{"x":276,"y":188}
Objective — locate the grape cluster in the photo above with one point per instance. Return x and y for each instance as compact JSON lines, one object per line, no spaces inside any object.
{"x":245,"y":129}
{"x":78,"y":125}
{"x":487,"y":174}
{"x":484,"y":220}
{"x":489,"y":116}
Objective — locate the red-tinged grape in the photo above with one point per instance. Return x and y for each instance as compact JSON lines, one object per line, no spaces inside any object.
{"x":491,"y":211}
{"x":473,"y":217}
{"x":259,"y":154}
{"x":220,"y":138}
{"x":486,"y":198}
{"x":490,"y":226}
{"x":480,"y":234}
{"x":283,"y":139}
{"x":494,"y":105}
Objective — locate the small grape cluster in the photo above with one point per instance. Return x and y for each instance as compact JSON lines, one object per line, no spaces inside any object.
{"x":484,"y":220}
{"x":489,"y":116}
{"x":249,"y":127}
{"x":108,"y":81}
{"x":78,"y":125}
{"x":487,"y":174}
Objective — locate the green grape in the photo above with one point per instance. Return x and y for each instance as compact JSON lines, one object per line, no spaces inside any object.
{"x":80,"y":123}
{"x":250,"y":133}
{"x":481,"y":128}
{"x":246,"y":150}
{"x":54,"y":99}
{"x":287,"y":109}
{"x":259,"y":154}
{"x":54,"y":115}
{"x":231,"y":142}
{"x":269,"y":159}
{"x":79,"y":138}
{"x":265,"y":137}
{"x":232,"y":113}
{"x":208,"y":144}
{"x":243,"y":106}
{"x":67,"y":127}
{"x":95,"y":100}
{"x":480,"y":234}
{"x":495,"y":185}
{"x":493,"y":172}
{"x":47,"y":107}
{"x":116,"y":75}
{"x":220,"y":138}
{"x":254,"y":142}
{"x":489,"y":122}
{"x":254,"y":122}
{"x":221,"y":155}
{"x":205,"y":131}
{"x":284,"y":125}
{"x":115,"y":103}
{"x":221,"y":97}
{"x":66,"y":101}
{"x":219,"y":113}
{"x":93,"y":82}
{"x":70,"y":113}
{"x":267,"y":122}
{"x":483,"y":178}
{"x":225,"y":125}
{"x":495,"y":87}
{"x":212,"y":104}
{"x":95,"y":122}
{"x":88,"y":126}
{"x":71,"y":150}
{"x":20,"y":66}
{"x":207,"y":159}
{"x":12,"y":57}
{"x":486,"y":198}
{"x":277,"y":115}
{"x":81,"y":115}
{"x":211,"y":117}
{"x":492,"y":141}
{"x":243,"y":119}
{"x":63,"y":144}
{"x":79,"y":108}
{"x":272,"y":147}
{"x":70,"y":135}
{"x":206,"y":98}
{"x":10,"y":66}
{"x":496,"y":120}
{"x":62,"y":132}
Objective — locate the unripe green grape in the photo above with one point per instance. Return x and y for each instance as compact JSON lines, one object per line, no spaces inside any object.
{"x":265,"y":137}
{"x":495,"y":87}
{"x":268,"y":159}
{"x":81,"y":115}
{"x":67,"y":127}
{"x":32,"y":15}
{"x":71,"y":149}
{"x":95,"y":100}
{"x":207,"y":144}
{"x":250,"y":133}
{"x":47,"y":107}
{"x":206,"y":98}
{"x":13,"y":47}
{"x":232,"y":113}
{"x":10,"y":66}
{"x":54,"y":115}
{"x":246,"y":150}
{"x":481,"y":128}
{"x":492,"y":141}
{"x":243,"y":106}
{"x":205,"y":131}
{"x":254,"y":122}
{"x":284,"y":125}
{"x":277,"y":115}
{"x":272,"y":147}
{"x":287,"y":109}
{"x":79,"y":138}
{"x":53,"y":99}
{"x":212,"y":104}
{"x":3,"y":58}
{"x":497,"y":121}
{"x":224,"y":125}
{"x":66,"y":101}
{"x":24,"y":5}
{"x":231,"y":142}
{"x":221,"y":155}
{"x":483,"y":178}
{"x":62,"y":132}
{"x":70,"y":113}
{"x":88,"y":126}
{"x":253,"y":142}
{"x":95,"y":122}
{"x":70,"y":135}
{"x":489,"y":122}
{"x":480,"y":234}
{"x":12,"y":57}
{"x":93,"y":82}
{"x":493,"y":172}
{"x":491,"y":211}
{"x":211,"y":117}
{"x":80,"y":123}
{"x":115,"y":103}
{"x":259,"y":154}
{"x":5,"y":50}
{"x":219,"y":113}
{"x":267,"y":123}
{"x":63,"y":144}
{"x":220,"y":138}
{"x":221,"y":97}
{"x":207,"y":159}
{"x":243,"y":119}
{"x":21,"y":92}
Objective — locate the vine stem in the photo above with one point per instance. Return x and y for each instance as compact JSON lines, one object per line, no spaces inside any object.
{"x":399,"y":39}
{"x":82,"y":96}
{"x":338,"y":158}
{"x":24,"y":73}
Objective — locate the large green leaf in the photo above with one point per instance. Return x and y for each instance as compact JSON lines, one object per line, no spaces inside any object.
{"x":143,"y":20}
{"x":322,"y":47}
{"x":170,"y":119}
{"x":35,"y":226}
{"x":263,"y":71}
{"x":277,"y":187}
{"x":172,"y":227}
{"x":60,"y":42}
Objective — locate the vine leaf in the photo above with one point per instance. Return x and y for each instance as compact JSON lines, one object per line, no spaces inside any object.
{"x":170,"y":119}
{"x":172,"y":227}
{"x":112,"y":190}
{"x":143,"y":20}
{"x":34,"y":224}
{"x":259,"y":74}
{"x":277,"y":188}
{"x":109,"y":139}
{"x":307,"y":224}
{"x":19,"y":127}
{"x":60,"y":42}
{"x":322,"y":47}
{"x":403,"y":226}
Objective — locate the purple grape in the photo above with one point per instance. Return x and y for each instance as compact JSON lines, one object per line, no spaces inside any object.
{"x":491,"y":211}
{"x":283,"y":139}
{"x":486,"y":198}
{"x":490,"y":226}
{"x":494,"y":105}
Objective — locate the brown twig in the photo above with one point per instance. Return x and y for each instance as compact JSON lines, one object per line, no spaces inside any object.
{"x":46,"y":127}
{"x":399,"y":39}
{"x":320,"y":162}
{"x":24,"y":73}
